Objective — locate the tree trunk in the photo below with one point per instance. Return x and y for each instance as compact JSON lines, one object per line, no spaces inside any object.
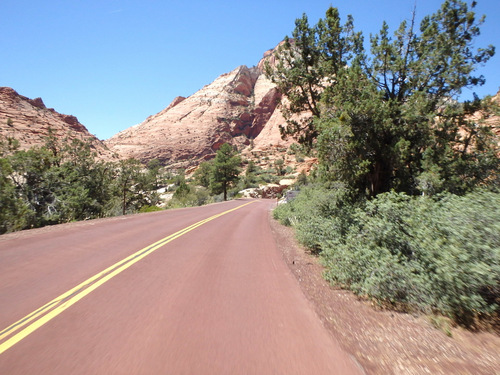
{"x":124,"y":206}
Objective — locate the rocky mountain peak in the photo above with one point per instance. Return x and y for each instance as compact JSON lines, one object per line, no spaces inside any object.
{"x":30,"y":121}
{"x":235,"y":108}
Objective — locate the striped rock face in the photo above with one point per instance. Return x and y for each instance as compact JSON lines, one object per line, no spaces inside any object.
{"x":30,"y":122}
{"x":240,"y":107}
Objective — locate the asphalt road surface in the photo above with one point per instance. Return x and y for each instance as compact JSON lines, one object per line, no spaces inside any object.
{"x":192,"y":291}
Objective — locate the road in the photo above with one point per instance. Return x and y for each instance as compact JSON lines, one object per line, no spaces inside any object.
{"x":162,"y":293}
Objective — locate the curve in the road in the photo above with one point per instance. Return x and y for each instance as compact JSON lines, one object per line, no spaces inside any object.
{"x":44,"y":314}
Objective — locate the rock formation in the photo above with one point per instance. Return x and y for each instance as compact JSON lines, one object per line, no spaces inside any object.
{"x":240,"y":107}
{"x":29,"y":121}
{"x":494,"y":120}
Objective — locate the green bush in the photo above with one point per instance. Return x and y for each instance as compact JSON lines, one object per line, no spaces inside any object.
{"x":440,"y":255}
{"x":436,"y":255}
{"x":375,"y":256}
{"x":150,"y":209}
{"x":190,"y":196}
{"x":316,"y":213}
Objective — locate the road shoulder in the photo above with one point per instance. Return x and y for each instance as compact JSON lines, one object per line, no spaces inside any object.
{"x":385,"y":342}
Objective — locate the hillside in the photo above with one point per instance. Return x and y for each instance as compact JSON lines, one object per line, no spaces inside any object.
{"x":240,"y":107}
{"x":30,"y":121}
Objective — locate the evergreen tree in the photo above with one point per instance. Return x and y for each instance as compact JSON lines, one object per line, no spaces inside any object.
{"x":392,"y":120}
{"x":202,"y":175}
{"x":86,"y":182}
{"x":279,"y":165}
{"x":225,"y":169}
{"x":64,"y":181}
{"x":36,"y":182}
{"x":132,"y":185}
{"x":309,"y":62}
{"x":396,"y":115}
{"x":250,"y":179}
{"x":12,"y":208}
{"x":154,"y":173}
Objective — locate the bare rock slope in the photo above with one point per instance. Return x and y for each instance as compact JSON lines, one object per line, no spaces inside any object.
{"x":240,"y":107}
{"x":29,"y":121}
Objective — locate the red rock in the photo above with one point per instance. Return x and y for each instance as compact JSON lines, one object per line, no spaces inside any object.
{"x":240,"y":107}
{"x":29,"y":121}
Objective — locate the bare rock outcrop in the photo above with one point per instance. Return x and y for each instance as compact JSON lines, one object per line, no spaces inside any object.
{"x":30,"y":121}
{"x":240,"y":107}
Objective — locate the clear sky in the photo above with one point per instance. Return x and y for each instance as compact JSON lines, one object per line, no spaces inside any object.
{"x":113,"y":63}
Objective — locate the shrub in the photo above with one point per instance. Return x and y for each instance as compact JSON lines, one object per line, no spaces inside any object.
{"x":316,"y":213}
{"x":438,"y":255}
{"x":149,"y":209}
{"x":432,"y":254}
{"x":190,"y":197}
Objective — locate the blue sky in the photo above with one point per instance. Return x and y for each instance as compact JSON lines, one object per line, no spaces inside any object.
{"x":113,"y":63}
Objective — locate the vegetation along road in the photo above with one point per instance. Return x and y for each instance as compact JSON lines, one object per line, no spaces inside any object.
{"x":194,"y":291}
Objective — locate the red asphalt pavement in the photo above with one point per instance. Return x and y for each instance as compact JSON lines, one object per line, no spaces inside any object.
{"x":217,"y":300}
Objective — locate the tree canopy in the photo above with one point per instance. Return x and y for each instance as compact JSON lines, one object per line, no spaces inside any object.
{"x":391,"y":118}
{"x":63,"y":181}
{"x":225,"y":170}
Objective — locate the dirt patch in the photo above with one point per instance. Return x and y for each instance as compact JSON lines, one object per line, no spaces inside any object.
{"x":386,"y":342}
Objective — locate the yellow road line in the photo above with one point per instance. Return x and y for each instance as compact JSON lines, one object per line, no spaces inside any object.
{"x":44,"y":314}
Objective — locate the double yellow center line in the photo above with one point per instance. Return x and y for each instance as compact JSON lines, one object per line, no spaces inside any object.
{"x":27,"y":325}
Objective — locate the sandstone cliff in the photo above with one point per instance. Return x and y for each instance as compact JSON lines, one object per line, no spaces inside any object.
{"x":240,"y":107}
{"x":29,"y":121}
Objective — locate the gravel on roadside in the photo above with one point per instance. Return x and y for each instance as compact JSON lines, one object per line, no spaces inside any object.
{"x":382,"y":341}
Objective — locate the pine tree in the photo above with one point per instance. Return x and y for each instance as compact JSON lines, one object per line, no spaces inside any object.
{"x":225,"y":170}
{"x":309,"y":62}
{"x":12,"y":208}
{"x":393,"y":120}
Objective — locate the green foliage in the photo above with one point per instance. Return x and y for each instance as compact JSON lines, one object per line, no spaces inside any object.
{"x":182,"y":190}
{"x":12,"y":208}
{"x":203,"y":174}
{"x":279,"y":166}
{"x":433,"y":254}
{"x":249,"y":179}
{"x":155,"y":175}
{"x":145,"y":209}
{"x":301,"y":179}
{"x":37,"y":180}
{"x":387,"y":124}
{"x":8,"y":145}
{"x":429,"y":254}
{"x":391,"y":119}
{"x":63,"y":181}
{"x":315,"y":213}
{"x":133,"y":186}
{"x":307,"y":64}
{"x":86,"y":184}
{"x":189,"y":196}
{"x":225,"y":170}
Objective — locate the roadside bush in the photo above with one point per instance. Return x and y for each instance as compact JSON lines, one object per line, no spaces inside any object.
{"x":432,"y":254}
{"x":144,"y":209}
{"x":440,"y":255}
{"x":376,"y":256}
{"x":189,"y":196}
{"x":467,"y":262}
{"x":318,"y":214}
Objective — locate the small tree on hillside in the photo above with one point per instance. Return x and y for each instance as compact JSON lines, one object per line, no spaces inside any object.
{"x":225,"y":170}
{"x":203,"y":174}
{"x":133,"y":186}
